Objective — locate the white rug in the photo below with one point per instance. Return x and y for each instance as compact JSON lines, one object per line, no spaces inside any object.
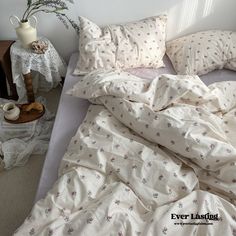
{"x":19,"y":141}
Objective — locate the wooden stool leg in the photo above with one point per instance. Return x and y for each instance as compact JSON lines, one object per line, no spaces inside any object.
{"x":29,"y":87}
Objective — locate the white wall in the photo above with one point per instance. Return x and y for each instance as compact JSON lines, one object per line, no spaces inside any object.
{"x":185,"y":16}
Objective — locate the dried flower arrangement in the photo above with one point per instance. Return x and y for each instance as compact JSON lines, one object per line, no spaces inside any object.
{"x":50,"y":6}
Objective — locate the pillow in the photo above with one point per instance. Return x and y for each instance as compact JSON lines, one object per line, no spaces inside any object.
{"x":136,"y":44}
{"x":202,"y":52}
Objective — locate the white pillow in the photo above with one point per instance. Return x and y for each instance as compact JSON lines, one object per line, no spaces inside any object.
{"x":202,"y":52}
{"x":136,"y":44}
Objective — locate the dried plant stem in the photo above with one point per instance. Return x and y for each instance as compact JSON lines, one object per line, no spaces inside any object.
{"x":50,"y":6}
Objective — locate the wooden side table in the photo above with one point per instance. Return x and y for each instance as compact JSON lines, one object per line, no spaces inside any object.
{"x":49,"y":65}
{"x":5,"y":71}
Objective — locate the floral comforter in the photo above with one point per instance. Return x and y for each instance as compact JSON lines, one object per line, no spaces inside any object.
{"x":151,"y":158}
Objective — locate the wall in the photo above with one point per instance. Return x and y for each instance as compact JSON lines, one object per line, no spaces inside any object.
{"x":185,"y":16}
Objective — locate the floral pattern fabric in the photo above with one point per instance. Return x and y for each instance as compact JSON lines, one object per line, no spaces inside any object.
{"x":202,"y":52}
{"x":135,"y":44}
{"x":146,"y":150}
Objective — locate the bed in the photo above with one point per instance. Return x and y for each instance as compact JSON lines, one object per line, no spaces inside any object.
{"x":70,"y":107}
{"x":151,"y":153}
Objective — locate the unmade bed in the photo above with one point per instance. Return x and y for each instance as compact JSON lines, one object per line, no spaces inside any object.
{"x":148,"y":155}
{"x":152,"y":152}
{"x":71,"y":112}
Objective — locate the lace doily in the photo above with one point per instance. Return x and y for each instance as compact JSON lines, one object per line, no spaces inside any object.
{"x":50,"y":66}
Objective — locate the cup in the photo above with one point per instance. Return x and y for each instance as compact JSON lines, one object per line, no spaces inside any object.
{"x":11,"y":111}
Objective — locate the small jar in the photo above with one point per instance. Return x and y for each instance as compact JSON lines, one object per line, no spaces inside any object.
{"x":11,"y":111}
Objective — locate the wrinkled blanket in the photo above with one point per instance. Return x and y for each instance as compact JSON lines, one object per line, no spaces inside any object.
{"x":151,"y":158}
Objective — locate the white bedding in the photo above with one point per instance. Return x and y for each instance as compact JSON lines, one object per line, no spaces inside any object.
{"x":145,"y":153}
{"x":66,"y":114}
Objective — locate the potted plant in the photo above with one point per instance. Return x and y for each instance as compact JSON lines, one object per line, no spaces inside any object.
{"x":26,"y":32}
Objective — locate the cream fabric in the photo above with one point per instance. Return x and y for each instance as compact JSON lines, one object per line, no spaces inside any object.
{"x":136,"y":44}
{"x":231,"y":64}
{"x":203,"y":52}
{"x":147,"y":150}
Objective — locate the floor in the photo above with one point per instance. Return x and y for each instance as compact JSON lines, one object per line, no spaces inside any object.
{"x":18,"y":186}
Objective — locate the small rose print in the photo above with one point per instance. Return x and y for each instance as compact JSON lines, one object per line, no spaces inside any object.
{"x":109,"y":218}
{"x":89,"y":220}
{"x":164,"y":230}
{"x":70,"y":230}
{"x":32,"y":231}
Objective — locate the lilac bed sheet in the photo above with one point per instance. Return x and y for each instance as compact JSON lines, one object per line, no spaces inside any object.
{"x":71,"y":112}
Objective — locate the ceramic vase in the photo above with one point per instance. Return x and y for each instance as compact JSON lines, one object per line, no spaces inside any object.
{"x":25,"y":31}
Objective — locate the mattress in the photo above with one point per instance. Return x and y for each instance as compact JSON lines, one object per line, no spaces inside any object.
{"x":71,"y":112}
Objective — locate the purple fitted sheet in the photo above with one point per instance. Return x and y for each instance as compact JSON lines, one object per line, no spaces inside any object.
{"x":71,"y":112}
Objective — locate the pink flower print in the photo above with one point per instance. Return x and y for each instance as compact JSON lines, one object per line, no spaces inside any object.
{"x":32,"y":231}
{"x":187,"y":149}
{"x":184,"y":188}
{"x":160,"y":177}
{"x":70,"y":230}
{"x":131,"y":208}
{"x":164,"y":230}
{"x":48,"y":210}
{"x":50,"y":232}
{"x":149,"y":164}
{"x":117,"y":202}
{"x":228,"y":150}
{"x":155,"y":195}
{"x":144,"y":181}
{"x":104,"y":187}
{"x":29,"y":217}
{"x":89,"y":220}
{"x":109,"y":218}
{"x":212,"y":146}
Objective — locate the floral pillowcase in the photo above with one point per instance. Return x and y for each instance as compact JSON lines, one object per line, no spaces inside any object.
{"x":202,"y":52}
{"x":136,"y":44}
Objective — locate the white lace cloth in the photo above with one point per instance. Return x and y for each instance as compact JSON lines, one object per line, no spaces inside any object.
{"x":19,"y":141}
{"x":50,"y":66}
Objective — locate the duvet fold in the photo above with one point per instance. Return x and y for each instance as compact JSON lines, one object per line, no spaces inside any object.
{"x":151,"y":158}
